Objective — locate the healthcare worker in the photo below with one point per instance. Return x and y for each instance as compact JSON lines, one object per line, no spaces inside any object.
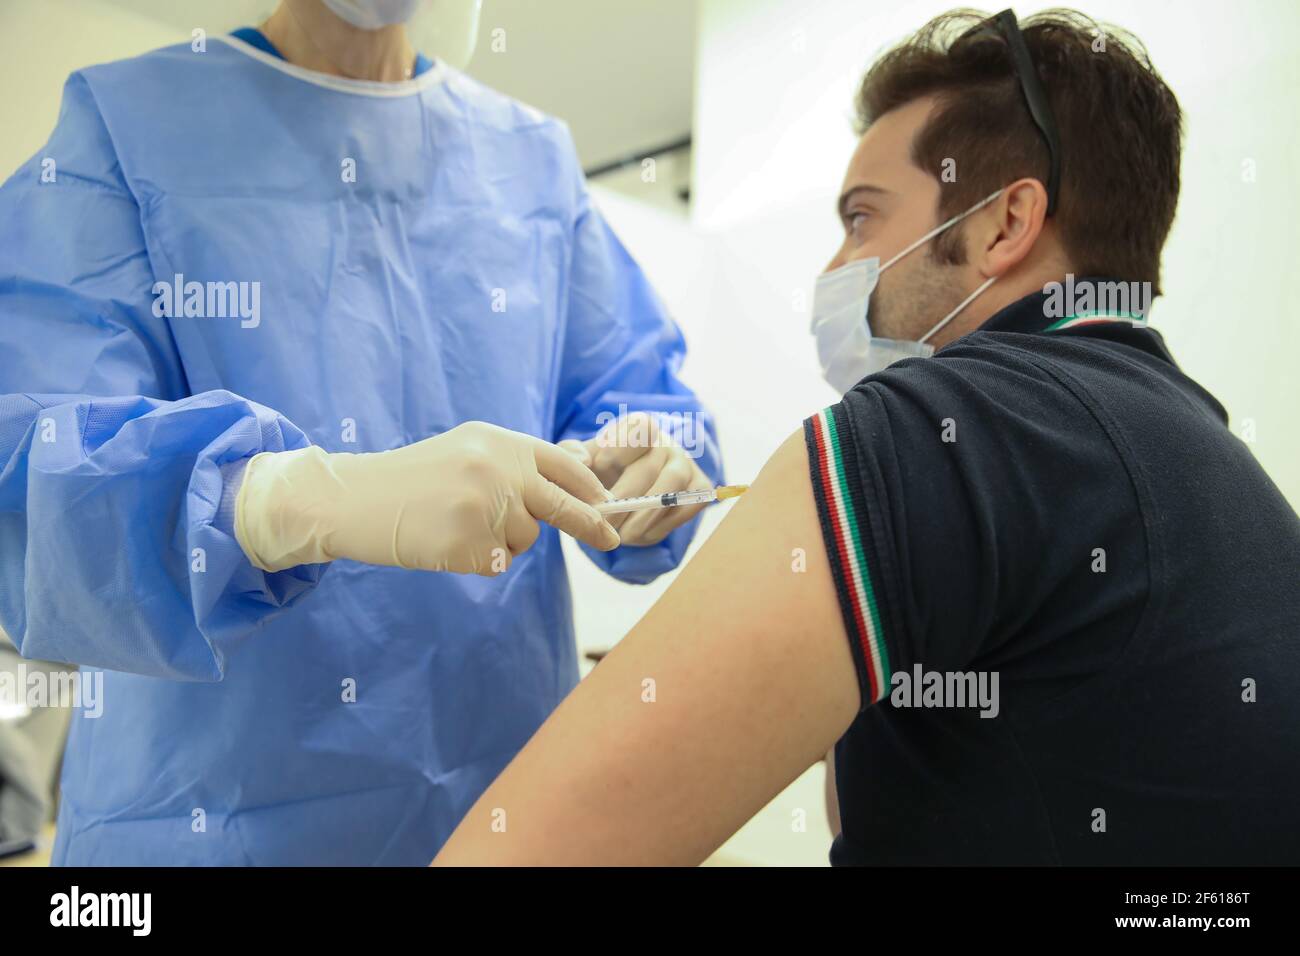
{"x":289,"y":297}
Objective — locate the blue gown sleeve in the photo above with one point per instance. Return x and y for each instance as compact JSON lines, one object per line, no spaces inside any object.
{"x":117,"y":547}
{"x":622,"y":353}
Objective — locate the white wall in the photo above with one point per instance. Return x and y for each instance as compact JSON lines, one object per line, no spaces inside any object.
{"x":41,"y":42}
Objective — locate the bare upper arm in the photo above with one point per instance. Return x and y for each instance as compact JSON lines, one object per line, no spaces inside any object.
{"x":737,"y":680}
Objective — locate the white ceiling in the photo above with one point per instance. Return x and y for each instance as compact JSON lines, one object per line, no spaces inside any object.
{"x":620,"y":72}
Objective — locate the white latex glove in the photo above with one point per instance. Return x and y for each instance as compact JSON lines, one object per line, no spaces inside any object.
{"x":632,"y":457}
{"x":467,"y":501}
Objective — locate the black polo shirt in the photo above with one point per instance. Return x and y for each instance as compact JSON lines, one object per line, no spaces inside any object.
{"x":1071,"y":595}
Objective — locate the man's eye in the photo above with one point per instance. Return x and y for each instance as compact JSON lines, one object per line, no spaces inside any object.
{"x":857,"y":221}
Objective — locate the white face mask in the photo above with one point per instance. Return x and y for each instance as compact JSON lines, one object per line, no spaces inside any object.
{"x":373,"y":14}
{"x":846,"y":349}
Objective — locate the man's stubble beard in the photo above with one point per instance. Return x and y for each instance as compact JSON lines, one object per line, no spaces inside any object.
{"x":914,"y":295}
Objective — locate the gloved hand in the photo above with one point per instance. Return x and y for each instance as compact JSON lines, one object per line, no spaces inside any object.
{"x":632,"y":456}
{"x":467,"y":501}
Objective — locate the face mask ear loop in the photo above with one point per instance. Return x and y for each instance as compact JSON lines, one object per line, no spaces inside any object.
{"x":953,"y":314}
{"x":941,"y":227}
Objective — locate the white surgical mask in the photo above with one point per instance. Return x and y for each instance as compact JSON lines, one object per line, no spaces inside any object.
{"x":841,"y":324}
{"x":373,"y":14}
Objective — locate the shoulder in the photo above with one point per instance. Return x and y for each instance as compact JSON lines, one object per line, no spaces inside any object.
{"x":490,"y":107}
{"x":988,"y":421}
{"x":516,"y":125}
{"x":991,"y":381}
{"x":155,"y":72}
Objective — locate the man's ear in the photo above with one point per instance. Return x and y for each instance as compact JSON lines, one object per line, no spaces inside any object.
{"x":1014,"y":224}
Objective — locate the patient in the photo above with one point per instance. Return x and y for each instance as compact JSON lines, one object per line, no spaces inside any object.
{"x":1011,"y":584}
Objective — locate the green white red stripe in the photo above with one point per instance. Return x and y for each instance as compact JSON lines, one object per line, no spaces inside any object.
{"x":864,"y":611}
{"x":1095,"y":318}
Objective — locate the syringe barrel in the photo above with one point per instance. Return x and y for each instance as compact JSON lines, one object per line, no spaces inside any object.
{"x":671,"y":499}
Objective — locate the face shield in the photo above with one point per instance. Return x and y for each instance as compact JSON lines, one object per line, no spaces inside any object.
{"x":445,"y":30}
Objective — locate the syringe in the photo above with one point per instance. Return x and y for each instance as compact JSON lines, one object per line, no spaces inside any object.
{"x":671,"y":499}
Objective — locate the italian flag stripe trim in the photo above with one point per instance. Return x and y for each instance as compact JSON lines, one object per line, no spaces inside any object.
{"x":830,"y":474}
{"x":1095,"y":318}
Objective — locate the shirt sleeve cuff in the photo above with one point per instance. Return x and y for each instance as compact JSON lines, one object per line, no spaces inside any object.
{"x":851,"y":547}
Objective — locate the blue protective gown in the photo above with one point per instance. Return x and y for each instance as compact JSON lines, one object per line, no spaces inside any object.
{"x":227,"y":736}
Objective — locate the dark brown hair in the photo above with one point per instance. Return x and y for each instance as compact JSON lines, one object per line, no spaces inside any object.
{"x":1120,"y":130}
